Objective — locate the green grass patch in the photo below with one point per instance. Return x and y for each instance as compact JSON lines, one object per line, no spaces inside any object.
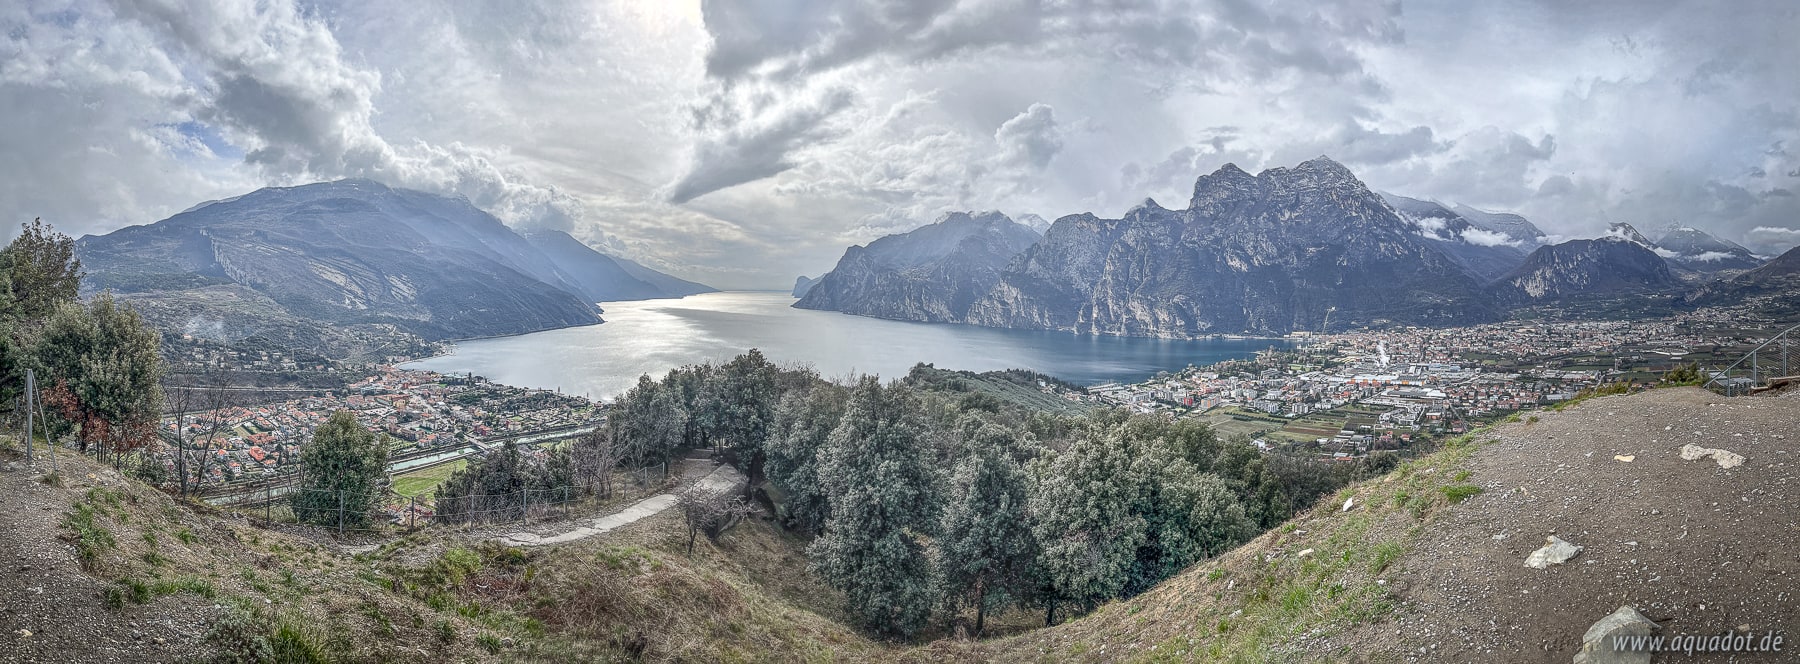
{"x":423,"y":483}
{"x":1457,"y":493}
{"x":91,"y":539}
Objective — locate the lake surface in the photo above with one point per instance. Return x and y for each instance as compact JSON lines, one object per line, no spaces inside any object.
{"x":654,"y":336}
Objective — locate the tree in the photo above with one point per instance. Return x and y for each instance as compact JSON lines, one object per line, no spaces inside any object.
{"x":593,"y":458}
{"x":648,"y":422}
{"x":708,"y":510}
{"x":341,"y":472}
{"x":881,"y":487}
{"x":1083,"y":514}
{"x":199,"y":403}
{"x":42,"y":272}
{"x":503,"y":485}
{"x":108,"y":362}
{"x":985,"y":543}
{"x":803,"y":424}
{"x":736,"y":406}
{"x":1189,"y":517}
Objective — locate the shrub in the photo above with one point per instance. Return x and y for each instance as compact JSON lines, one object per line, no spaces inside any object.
{"x":238,"y":639}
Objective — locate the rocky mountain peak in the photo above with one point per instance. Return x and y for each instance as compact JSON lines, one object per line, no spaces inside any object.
{"x":1624,"y":231}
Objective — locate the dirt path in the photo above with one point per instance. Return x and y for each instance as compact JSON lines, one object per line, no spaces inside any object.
{"x":1698,"y":548}
{"x":718,"y":477}
{"x":51,"y":611}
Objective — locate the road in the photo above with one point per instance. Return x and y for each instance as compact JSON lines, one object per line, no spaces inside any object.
{"x":721,"y":478}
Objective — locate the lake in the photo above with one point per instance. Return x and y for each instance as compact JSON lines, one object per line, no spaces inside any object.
{"x":654,"y":336}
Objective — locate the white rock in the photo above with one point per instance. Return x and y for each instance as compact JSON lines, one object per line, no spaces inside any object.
{"x":1627,"y":458}
{"x":1349,"y":503}
{"x":1597,"y":643}
{"x":1726,"y":459}
{"x":1304,"y":553}
{"x":1555,"y":552}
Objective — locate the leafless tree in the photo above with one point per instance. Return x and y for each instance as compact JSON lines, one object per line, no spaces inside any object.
{"x":203,"y":398}
{"x":596,"y":455}
{"x":708,"y":510}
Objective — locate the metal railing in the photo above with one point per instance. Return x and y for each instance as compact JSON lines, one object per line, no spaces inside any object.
{"x":1769,"y":365}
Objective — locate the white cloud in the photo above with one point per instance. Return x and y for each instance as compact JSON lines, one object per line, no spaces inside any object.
{"x":1771,"y":240}
{"x":1486,"y":238}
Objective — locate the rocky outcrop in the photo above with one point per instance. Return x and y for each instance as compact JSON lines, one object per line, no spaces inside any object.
{"x":802,"y":285}
{"x":930,"y":274}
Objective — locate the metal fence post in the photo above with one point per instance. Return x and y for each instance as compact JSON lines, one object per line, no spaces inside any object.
{"x":525,"y":504}
{"x":30,"y":392}
{"x":412,"y":509}
{"x":268,"y":505}
{"x":340,"y":512}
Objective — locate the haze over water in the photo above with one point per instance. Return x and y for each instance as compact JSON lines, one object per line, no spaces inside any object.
{"x":654,"y":336}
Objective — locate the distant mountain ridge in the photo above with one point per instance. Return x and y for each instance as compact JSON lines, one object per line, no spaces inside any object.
{"x":1270,"y":253}
{"x":932,"y":273}
{"x":1483,"y":251}
{"x":1608,"y":266}
{"x":1704,"y":252}
{"x":356,"y":251}
{"x":1779,"y":276}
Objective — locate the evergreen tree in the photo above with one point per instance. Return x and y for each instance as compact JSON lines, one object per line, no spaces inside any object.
{"x":1189,"y":516}
{"x":985,"y":541}
{"x":341,"y":473}
{"x":107,"y":365}
{"x":881,"y":488}
{"x":42,"y":272}
{"x":1083,"y":513}
{"x":736,"y":407}
{"x":648,"y":423}
{"x":803,"y":423}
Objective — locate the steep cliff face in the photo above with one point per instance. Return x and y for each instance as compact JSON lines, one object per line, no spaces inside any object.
{"x":802,"y":285}
{"x":1267,"y":253}
{"x":1608,"y":266}
{"x":930,"y":274}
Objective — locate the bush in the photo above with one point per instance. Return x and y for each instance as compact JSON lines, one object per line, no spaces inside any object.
{"x":238,"y":639}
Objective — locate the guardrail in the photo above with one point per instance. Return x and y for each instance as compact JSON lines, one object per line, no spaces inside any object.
{"x":1768,"y":366}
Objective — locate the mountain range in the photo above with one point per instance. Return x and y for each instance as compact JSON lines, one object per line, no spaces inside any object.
{"x":358,"y":252}
{"x":931,"y":274}
{"x":1284,"y":250}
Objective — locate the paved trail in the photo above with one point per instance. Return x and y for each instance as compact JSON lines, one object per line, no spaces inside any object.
{"x":720,"y":478}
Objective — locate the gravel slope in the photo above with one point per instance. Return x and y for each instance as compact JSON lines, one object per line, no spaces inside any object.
{"x":1698,"y":548}
{"x":44,"y":592}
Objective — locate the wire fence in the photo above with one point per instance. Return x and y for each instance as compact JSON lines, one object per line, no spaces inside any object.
{"x":382,"y":511}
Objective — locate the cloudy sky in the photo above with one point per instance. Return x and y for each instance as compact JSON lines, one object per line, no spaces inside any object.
{"x":744,"y":142}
